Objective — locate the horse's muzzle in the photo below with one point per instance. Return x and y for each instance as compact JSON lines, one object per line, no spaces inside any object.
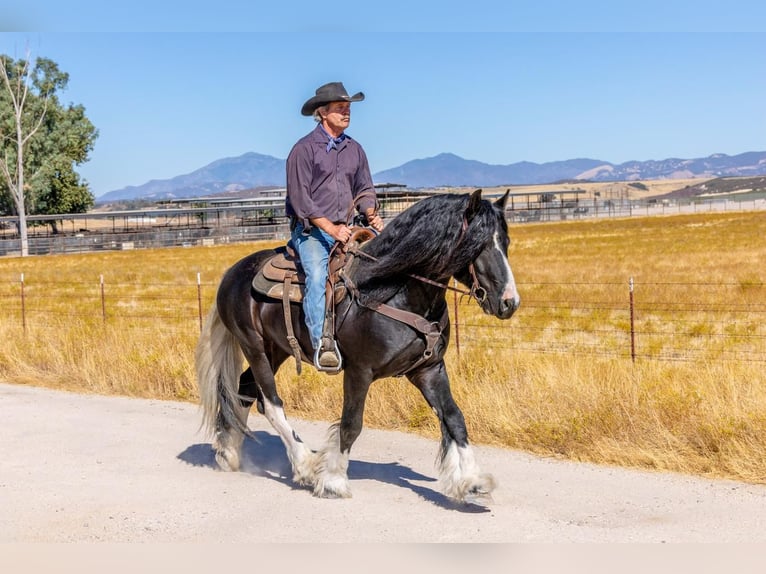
{"x":508,"y":307}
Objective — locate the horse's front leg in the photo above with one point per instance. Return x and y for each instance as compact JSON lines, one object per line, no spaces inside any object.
{"x":332,"y":465}
{"x":459,"y":474}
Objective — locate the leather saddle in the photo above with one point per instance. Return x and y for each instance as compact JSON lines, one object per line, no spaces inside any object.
{"x":281,"y":273}
{"x":282,"y":276}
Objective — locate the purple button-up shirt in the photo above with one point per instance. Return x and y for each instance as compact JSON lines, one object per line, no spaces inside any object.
{"x":323,"y":183}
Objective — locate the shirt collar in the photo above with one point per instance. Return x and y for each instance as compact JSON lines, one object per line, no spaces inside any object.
{"x":331,"y":141}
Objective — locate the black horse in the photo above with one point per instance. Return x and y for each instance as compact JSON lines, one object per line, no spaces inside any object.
{"x":407,"y":267}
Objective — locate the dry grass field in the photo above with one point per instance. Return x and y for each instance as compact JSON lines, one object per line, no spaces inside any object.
{"x":557,"y":379}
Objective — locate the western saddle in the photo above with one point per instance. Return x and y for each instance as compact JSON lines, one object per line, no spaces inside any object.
{"x":282,"y":278}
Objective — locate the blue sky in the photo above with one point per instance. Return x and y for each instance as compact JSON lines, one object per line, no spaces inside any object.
{"x":496,"y":82}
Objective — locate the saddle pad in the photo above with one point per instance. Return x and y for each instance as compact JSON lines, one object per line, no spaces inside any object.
{"x":279,"y":265}
{"x":276,"y":289}
{"x":270,"y":279}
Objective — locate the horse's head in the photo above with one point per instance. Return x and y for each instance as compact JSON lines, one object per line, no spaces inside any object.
{"x":489,"y":275}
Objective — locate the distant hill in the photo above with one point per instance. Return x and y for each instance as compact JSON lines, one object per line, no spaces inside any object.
{"x":447,"y":169}
{"x":450,"y":170}
{"x":444,"y":170}
{"x":228,"y":174}
{"x":719,"y":186}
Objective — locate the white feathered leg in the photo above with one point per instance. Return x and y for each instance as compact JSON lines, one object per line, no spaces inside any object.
{"x":332,"y":468}
{"x":302,"y":460}
{"x":460,"y":477}
{"x":228,"y":440}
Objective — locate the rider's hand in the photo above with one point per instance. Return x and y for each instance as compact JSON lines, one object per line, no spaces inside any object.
{"x":341,"y":233}
{"x":374,"y":220}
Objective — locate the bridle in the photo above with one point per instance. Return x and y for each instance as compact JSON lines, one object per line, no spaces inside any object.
{"x":431,"y":330}
{"x":476,"y":291}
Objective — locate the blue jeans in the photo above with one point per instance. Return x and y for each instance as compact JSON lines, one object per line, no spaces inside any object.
{"x":314,"y":251}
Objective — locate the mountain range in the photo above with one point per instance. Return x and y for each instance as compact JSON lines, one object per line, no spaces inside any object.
{"x":253,"y":170}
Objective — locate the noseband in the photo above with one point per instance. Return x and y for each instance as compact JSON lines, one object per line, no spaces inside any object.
{"x":477,"y":291}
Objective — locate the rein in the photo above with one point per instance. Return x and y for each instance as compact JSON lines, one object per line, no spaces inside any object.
{"x":431,"y":330}
{"x":476,"y":291}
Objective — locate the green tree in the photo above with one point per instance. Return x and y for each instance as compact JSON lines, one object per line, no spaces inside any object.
{"x":63,"y":193}
{"x":41,"y":142}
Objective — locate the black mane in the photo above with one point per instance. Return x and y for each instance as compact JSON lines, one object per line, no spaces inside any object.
{"x":426,"y":239}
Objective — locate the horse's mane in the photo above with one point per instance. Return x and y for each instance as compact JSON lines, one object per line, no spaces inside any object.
{"x":426,"y":239}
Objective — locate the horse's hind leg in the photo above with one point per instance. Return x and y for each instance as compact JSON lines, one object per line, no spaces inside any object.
{"x":302,"y":459}
{"x":229,"y":437}
{"x":249,"y":391}
{"x":459,"y":473}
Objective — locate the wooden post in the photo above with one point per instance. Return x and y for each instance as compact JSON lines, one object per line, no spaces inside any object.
{"x":199,"y":301}
{"x":23,"y":306}
{"x":103,"y":299}
{"x":632,"y":324}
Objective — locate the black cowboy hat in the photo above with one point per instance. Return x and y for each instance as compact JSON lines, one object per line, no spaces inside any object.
{"x":332,"y":92}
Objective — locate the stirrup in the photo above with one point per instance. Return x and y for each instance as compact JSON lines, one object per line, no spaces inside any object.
{"x":336,"y":351}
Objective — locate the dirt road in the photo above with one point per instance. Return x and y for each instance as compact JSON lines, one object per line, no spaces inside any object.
{"x":91,"y":468}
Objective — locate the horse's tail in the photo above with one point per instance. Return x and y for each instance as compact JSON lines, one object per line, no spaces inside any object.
{"x":218,"y":360}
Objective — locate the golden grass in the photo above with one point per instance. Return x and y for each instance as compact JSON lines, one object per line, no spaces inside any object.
{"x":556,"y":379}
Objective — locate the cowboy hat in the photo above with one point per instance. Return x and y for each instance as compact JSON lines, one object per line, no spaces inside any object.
{"x":332,"y":92}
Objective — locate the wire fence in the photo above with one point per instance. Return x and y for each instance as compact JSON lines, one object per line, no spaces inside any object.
{"x":164,"y":227}
{"x":627,"y":319}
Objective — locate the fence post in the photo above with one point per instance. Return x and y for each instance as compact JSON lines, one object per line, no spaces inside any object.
{"x":199,"y":301}
{"x":456,"y":322}
{"x":23,"y":307}
{"x":632,"y":324}
{"x":103,"y":299}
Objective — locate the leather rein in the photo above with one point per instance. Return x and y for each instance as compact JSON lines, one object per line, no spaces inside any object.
{"x":476,"y":291}
{"x":431,"y":330}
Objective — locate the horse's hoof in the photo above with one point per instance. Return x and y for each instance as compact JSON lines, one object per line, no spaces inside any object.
{"x":481,"y":489}
{"x":333,"y":494}
{"x":474,"y":489}
{"x":333,"y":489}
{"x":303,"y":480}
{"x":227,"y":463}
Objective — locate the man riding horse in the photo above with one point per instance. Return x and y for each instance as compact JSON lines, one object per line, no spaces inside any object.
{"x":326,"y":172}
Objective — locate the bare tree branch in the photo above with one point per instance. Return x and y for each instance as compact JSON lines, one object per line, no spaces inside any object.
{"x":7,"y":174}
{"x":18,"y":98}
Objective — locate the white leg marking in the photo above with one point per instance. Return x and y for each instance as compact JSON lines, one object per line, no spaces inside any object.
{"x":332,"y":468}
{"x":228,"y":444}
{"x":460,"y":477}
{"x":449,"y":471}
{"x":227,"y":447}
{"x":301,"y":457}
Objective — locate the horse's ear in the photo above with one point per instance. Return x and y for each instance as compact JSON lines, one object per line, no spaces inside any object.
{"x":474,"y":204}
{"x":501,"y":203}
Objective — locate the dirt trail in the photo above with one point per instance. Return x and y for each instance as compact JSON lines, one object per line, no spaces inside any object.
{"x":92,"y":468}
